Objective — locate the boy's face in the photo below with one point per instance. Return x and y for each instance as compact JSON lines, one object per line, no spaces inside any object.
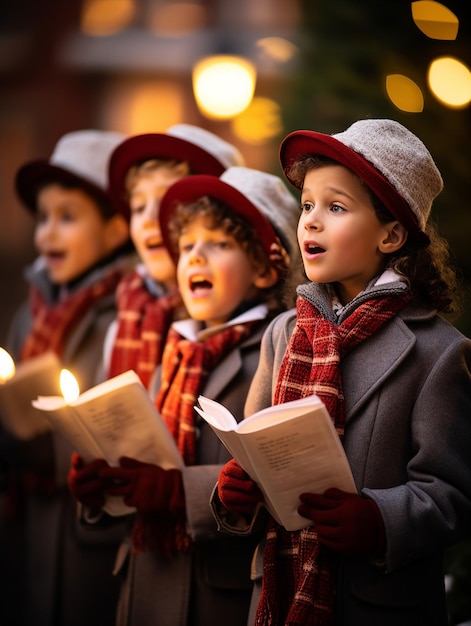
{"x":144,"y":201}
{"x":340,"y":237}
{"x":214,"y":273}
{"x":71,"y":234}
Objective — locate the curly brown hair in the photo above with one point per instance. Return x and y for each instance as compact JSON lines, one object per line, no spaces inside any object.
{"x":218,"y":214}
{"x":427,"y":269}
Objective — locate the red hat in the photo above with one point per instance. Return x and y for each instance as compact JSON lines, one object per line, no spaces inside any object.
{"x":391,"y":160}
{"x":261,"y":198}
{"x":205,"y":153}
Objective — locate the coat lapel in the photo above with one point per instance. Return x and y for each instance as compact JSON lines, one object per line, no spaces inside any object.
{"x":368,"y":366}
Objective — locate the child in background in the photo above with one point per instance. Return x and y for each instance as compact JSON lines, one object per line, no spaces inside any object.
{"x":220,"y":231}
{"x":366,"y":336}
{"x":84,"y":251}
{"x":141,"y":169}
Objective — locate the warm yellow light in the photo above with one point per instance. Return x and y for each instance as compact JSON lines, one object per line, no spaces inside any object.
{"x":404,"y":93}
{"x":106,"y":17}
{"x":7,"y":366}
{"x":223,"y":85}
{"x":260,"y":122}
{"x":69,"y":386}
{"x":435,"y":20}
{"x":450,"y":81}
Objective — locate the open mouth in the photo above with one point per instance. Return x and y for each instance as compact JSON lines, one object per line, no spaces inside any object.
{"x":154,"y":244}
{"x":199,"y":283}
{"x":314,"y":248}
{"x":54,"y":255}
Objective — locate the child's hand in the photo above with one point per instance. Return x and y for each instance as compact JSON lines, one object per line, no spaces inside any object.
{"x":145,"y":486}
{"x":279,"y":258}
{"x":345,"y":522}
{"x":236,"y":490}
{"x":85,"y":484}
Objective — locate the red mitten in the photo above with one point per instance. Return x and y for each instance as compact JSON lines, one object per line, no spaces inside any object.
{"x":145,"y":486}
{"x":84,"y":483}
{"x":236,"y":490}
{"x":345,"y":522}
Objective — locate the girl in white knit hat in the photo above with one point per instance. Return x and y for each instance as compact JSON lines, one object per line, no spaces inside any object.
{"x":368,"y":338}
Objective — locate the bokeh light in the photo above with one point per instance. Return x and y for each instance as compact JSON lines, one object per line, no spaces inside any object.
{"x":404,"y":93}
{"x":106,"y":17}
{"x":223,"y":85}
{"x":435,"y":20}
{"x":450,"y":81}
{"x":259,"y":123}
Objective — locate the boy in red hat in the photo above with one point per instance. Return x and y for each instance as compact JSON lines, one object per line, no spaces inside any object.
{"x":220,"y":231}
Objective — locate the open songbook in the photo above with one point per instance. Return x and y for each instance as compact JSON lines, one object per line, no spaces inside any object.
{"x":287,"y":449}
{"x":113,"y":419}
{"x":39,"y":374}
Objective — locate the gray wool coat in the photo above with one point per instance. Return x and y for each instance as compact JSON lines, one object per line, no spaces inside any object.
{"x":211,"y":585}
{"x":408,"y":440}
{"x":65,"y":573}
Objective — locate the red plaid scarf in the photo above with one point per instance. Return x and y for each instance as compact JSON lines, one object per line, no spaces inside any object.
{"x":185,"y":368}
{"x":299,"y":574}
{"x":143,"y":323}
{"x":52,"y":324}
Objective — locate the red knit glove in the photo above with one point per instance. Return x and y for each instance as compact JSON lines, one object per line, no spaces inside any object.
{"x":236,"y":490}
{"x":345,"y":522}
{"x":84,"y":483}
{"x":145,"y":486}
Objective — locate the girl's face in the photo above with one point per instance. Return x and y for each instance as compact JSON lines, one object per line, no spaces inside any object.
{"x":71,"y":234}
{"x":341,"y":239}
{"x":214,"y":273}
{"x":144,"y":201}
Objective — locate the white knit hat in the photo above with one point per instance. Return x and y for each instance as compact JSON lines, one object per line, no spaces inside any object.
{"x":389,"y":158}
{"x":262,"y":198}
{"x":80,"y":157}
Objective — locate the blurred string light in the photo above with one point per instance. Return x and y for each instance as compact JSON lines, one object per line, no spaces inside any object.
{"x":404,"y":93}
{"x":223,"y":85}
{"x":106,"y":17}
{"x":450,"y":81}
{"x":259,"y":123}
{"x":435,"y":20}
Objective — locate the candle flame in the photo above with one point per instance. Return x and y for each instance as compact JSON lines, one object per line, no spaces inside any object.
{"x":69,"y":386}
{"x":7,"y":366}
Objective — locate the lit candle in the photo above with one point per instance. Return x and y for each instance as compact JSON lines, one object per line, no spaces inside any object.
{"x":7,"y":366}
{"x":69,"y":386}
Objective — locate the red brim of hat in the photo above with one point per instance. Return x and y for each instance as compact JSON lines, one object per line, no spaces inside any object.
{"x":304,"y":142}
{"x":141,"y":148}
{"x":191,"y":188}
{"x":31,"y":175}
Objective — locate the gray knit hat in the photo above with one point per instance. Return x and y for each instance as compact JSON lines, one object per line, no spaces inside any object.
{"x":79,"y":158}
{"x":262,"y":198}
{"x":391,"y":160}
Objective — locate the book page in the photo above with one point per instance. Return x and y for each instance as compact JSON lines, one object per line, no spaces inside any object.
{"x":39,"y":375}
{"x":290,"y":449}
